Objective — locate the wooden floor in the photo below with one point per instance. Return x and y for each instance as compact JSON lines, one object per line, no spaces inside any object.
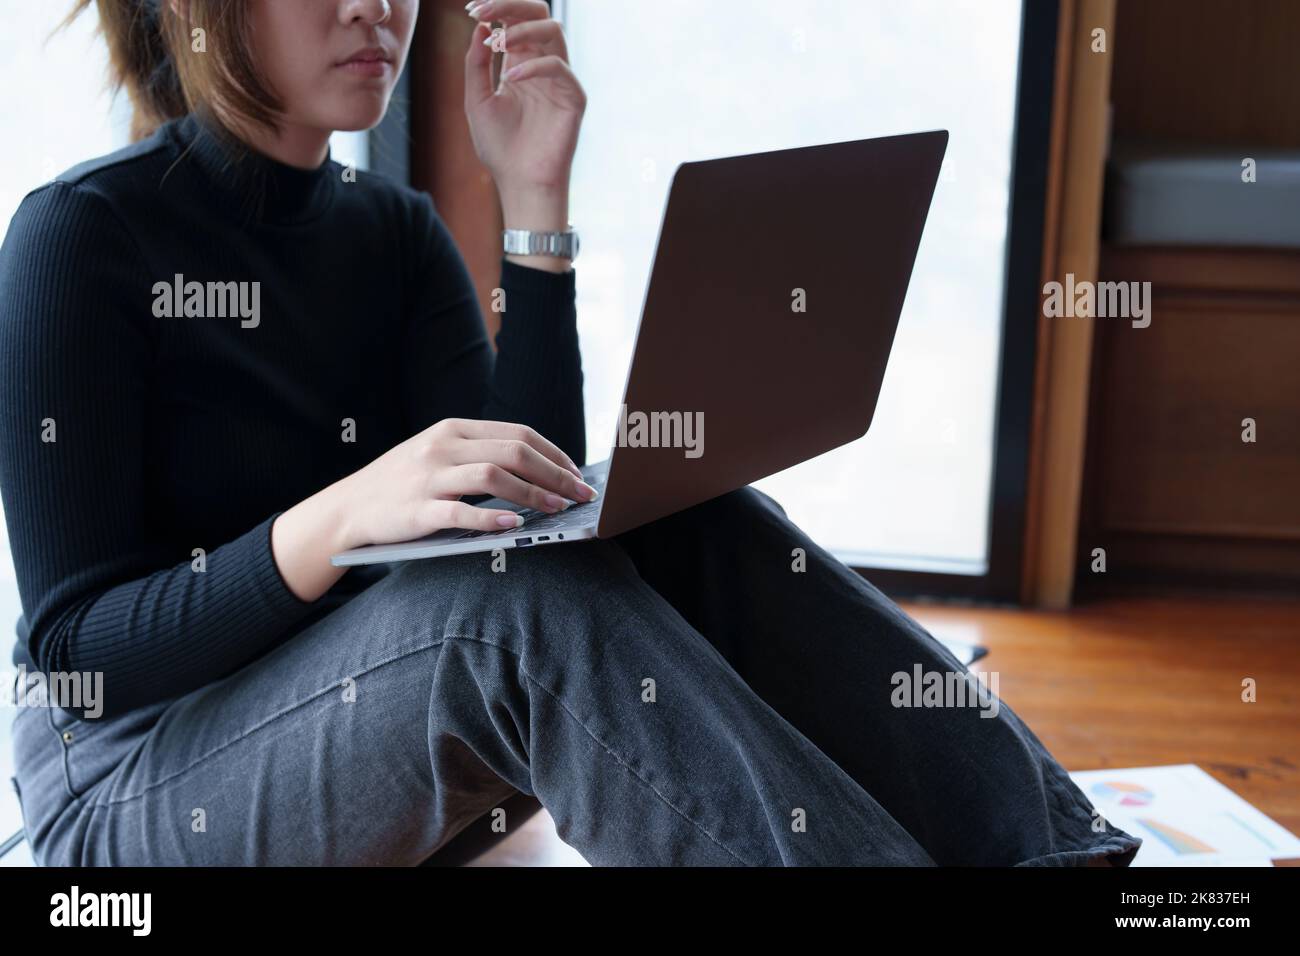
{"x":1125,"y":683}
{"x":1145,"y":682}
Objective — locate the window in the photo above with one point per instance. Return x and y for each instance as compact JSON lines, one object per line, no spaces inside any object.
{"x":678,"y":81}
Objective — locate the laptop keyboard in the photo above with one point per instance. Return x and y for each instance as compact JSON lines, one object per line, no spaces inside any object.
{"x":535,"y":520}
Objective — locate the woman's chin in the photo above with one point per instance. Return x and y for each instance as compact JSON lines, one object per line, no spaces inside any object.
{"x":359,"y":116}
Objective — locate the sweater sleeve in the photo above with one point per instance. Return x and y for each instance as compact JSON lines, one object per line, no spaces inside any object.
{"x":535,"y":377}
{"x":75,"y":363}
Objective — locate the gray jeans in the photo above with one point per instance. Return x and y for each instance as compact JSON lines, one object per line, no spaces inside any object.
{"x":677,"y":695}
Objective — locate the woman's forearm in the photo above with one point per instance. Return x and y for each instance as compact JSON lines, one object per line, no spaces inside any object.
{"x":304,"y":537}
{"x":539,"y":209}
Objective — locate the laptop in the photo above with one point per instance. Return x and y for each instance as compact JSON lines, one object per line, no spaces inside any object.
{"x":775,"y":292}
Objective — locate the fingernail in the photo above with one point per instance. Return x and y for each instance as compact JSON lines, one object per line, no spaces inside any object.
{"x":510,"y":521}
{"x":555,"y":501}
{"x":481,"y":9}
{"x":588,"y":493}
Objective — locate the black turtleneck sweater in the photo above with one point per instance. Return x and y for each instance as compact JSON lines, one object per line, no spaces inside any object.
{"x":130,"y":439}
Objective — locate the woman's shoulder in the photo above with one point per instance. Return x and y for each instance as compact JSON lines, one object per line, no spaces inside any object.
{"x":93,"y":194}
{"x":71,"y":242}
{"x":133,"y":166}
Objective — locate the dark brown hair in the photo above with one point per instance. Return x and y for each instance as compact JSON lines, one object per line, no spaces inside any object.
{"x":150,"y":46}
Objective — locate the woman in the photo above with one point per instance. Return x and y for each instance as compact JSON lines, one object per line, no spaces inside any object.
{"x":176,"y":478}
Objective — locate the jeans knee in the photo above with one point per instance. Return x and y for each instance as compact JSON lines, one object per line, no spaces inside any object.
{"x":752,"y":499}
{"x":569,"y":568}
{"x":745,"y":508}
{"x":517,"y":591}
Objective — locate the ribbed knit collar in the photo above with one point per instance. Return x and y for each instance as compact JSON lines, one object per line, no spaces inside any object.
{"x":256,"y":187}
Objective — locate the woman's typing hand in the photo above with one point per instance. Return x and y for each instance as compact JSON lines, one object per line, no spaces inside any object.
{"x":414,"y":489}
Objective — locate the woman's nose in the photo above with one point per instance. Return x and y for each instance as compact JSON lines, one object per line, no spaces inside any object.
{"x":372,"y":12}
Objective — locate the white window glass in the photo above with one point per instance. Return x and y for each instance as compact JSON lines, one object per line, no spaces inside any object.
{"x":57,"y":107}
{"x":675,"y":81}
{"x":351,"y":148}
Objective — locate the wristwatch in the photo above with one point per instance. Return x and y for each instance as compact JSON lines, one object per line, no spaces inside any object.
{"x":527,"y":242}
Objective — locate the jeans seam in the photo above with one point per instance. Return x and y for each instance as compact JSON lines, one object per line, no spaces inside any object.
{"x":252,"y":730}
{"x":76,"y":795}
{"x":576,"y":719}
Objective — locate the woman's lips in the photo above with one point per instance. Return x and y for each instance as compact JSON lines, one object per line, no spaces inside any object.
{"x":367,"y":64}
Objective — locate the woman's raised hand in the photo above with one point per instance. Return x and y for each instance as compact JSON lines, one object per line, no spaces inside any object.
{"x":526,"y":131}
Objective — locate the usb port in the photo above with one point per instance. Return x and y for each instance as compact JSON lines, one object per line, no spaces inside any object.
{"x":523,"y":542}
